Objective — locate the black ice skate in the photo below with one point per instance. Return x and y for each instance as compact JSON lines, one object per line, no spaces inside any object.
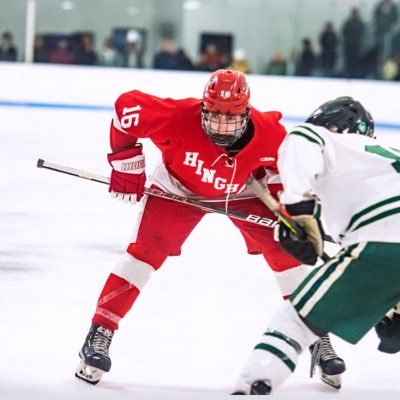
{"x":260,"y":388}
{"x":257,"y":388}
{"x":94,"y":355}
{"x":330,"y":365}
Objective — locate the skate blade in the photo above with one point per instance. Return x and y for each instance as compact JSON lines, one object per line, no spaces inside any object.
{"x":334,"y":381}
{"x":88,"y":374}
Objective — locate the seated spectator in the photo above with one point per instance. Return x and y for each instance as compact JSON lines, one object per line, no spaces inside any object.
{"x":109,"y":56}
{"x":390,"y":70}
{"x":8,"y":52}
{"x":239,"y":62}
{"x":277,"y":65}
{"x":370,"y":64}
{"x":85,"y":54}
{"x":183,"y":60}
{"x":396,"y":58}
{"x":166,"y":57}
{"x":40,"y":54}
{"x":292,"y":62}
{"x":132,"y":55}
{"x":61,"y":54}
{"x":211,"y":59}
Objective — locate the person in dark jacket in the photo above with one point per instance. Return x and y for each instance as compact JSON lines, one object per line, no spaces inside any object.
{"x":353,"y":40}
{"x":307,"y":59}
{"x":8,"y":51}
{"x":328,"y":41}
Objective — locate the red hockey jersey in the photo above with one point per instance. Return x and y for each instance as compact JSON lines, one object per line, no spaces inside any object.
{"x":174,"y":126}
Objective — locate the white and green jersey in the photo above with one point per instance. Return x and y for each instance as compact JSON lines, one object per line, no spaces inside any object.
{"x":357,"y":179}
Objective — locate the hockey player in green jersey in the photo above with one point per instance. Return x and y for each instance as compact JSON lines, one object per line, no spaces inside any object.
{"x":334,"y":162}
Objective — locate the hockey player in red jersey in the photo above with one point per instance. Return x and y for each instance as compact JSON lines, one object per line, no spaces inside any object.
{"x":210,"y":148}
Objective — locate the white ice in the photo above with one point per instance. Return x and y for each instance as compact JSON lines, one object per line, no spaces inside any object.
{"x":194,"y":324}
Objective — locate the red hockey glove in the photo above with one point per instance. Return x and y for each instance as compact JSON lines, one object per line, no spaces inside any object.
{"x":128,"y":174}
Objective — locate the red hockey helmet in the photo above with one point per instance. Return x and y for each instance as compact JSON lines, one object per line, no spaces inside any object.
{"x":226,"y":95}
{"x":226,"y":92}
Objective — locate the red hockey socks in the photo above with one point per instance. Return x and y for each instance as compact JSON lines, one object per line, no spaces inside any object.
{"x":116,"y":299}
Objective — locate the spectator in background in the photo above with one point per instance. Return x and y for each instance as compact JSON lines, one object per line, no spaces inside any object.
{"x":397,"y":61}
{"x":183,"y":61}
{"x":85,"y":54}
{"x":395,"y":53}
{"x":390,"y":70}
{"x":291,"y":62}
{"x":353,"y":42}
{"x":132,"y":56}
{"x":370,"y":64}
{"x":40,"y":53}
{"x":239,"y":62}
{"x":8,"y":51}
{"x":166,"y":57}
{"x":211,"y":59}
{"x":385,"y":18}
{"x":277,"y":65}
{"x":395,"y":43}
{"x":328,"y":41}
{"x":109,"y":56}
{"x":307,"y":61}
{"x":61,"y":54}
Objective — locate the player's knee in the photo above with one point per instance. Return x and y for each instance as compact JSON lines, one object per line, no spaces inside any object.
{"x":289,"y":279}
{"x":134,"y":271}
{"x":154,"y":256}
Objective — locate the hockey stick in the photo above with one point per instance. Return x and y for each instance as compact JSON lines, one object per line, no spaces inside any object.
{"x":281,"y":213}
{"x":255,"y":219}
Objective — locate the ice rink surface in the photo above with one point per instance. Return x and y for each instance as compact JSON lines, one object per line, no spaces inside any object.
{"x":192,"y":328}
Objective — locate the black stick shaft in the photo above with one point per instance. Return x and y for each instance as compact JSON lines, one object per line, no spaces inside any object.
{"x":252,"y":218}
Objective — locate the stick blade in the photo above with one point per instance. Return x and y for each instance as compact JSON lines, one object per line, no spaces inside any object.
{"x":40,"y":163}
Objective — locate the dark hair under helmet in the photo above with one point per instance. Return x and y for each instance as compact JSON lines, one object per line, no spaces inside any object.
{"x":345,"y":115}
